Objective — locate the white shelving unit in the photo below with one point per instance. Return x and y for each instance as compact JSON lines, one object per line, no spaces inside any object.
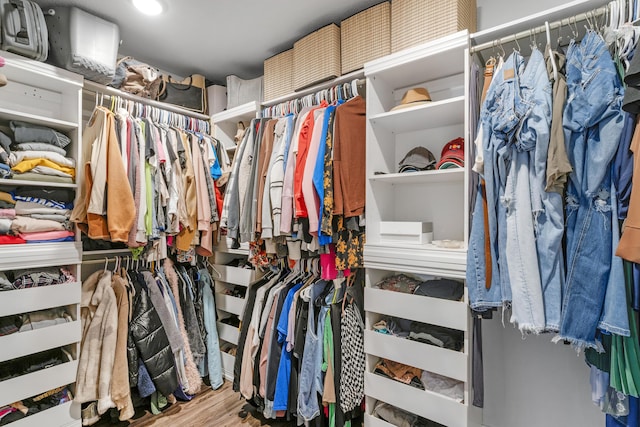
{"x":224,"y":128}
{"x":437,"y":196}
{"x":41,"y":94}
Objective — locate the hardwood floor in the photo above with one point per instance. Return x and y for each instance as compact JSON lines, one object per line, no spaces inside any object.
{"x":219,"y":408}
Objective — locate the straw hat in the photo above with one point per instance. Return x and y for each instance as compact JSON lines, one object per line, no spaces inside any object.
{"x":413,"y":97}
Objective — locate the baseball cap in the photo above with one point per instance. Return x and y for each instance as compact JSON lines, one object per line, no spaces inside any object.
{"x":418,"y":159}
{"x":452,"y":155}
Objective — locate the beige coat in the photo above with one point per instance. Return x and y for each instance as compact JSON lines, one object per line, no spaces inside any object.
{"x":99,"y":315}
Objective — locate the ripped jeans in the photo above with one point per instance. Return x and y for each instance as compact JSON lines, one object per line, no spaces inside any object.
{"x":593,"y":123}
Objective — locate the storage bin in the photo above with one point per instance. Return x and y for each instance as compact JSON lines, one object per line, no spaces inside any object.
{"x":410,"y":232}
{"x":316,"y":57}
{"x":365,"y":36}
{"x":241,"y":91}
{"x":216,"y":98}
{"x":83,"y":43}
{"x":419,"y":21}
{"x":278,"y":75}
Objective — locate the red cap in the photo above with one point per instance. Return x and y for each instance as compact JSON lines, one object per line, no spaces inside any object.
{"x":452,"y":154}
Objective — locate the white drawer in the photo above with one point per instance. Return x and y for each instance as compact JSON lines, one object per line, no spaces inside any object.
{"x":235,"y":275}
{"x":61,"y":415}
{"x":230,"y":304}
{"x":452,"y":364}
{"x":228,"y":333}
{"x":37,"y":382}
{"x":450,"y":314}
{"x":371,"y":421}
{"x":29,"y":342}
{"x":429,"y":405}
{"x":227,"y":365}
{"x":40,"y":298}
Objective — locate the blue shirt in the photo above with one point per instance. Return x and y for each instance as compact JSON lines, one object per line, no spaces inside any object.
{"x":281,"y":397}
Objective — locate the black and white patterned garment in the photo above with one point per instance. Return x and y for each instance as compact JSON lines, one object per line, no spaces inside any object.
{"x":353,"y":359}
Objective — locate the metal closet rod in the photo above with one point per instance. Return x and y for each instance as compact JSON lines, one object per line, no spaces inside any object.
{"x":542,"y":28}
{"x":93,"y":88}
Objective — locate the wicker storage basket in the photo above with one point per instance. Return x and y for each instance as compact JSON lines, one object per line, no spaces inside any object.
{"x":316,"y":57}
{"x":366,"y":36}
{"x":418,"y":21}
{"x":278,"y":75}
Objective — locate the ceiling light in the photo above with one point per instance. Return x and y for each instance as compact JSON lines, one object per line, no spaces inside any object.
{"x":148,"y":7}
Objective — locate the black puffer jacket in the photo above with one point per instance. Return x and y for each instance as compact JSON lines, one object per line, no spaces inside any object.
{"x":151,"y":341}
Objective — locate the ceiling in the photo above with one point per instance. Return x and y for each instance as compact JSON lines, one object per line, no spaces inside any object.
{"x":215,"y":37}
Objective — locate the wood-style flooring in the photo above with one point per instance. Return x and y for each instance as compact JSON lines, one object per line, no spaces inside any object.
{"x":215,"y":408}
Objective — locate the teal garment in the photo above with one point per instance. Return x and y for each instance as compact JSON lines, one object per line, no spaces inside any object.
{"x":625,"y":351}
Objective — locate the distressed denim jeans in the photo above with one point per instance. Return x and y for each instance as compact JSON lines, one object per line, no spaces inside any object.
{"x":593,"y":122}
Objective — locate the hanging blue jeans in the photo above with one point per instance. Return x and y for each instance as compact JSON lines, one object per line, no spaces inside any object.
{"x":213,"y":345}
{"x":593,"y":123}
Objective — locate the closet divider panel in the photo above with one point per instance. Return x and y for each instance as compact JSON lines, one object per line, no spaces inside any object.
{"x":40,"y":94}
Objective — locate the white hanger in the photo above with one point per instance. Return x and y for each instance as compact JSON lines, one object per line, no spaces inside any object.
{"x":551,"y":56}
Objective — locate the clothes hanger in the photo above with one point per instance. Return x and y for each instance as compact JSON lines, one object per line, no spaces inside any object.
{"x":519,"y":49}
{"x":550,"y":51}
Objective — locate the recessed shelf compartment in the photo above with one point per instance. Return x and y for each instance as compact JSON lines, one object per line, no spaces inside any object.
{"x":61,"y":125}
{"x":432,"y":114}
{"x":227,"y":365}
{"x":235,"y":275}
{"x":61,"y":415}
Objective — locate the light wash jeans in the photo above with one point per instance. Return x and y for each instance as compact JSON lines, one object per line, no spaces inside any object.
{"x":593,"y":122}
{"x":214,"y":362}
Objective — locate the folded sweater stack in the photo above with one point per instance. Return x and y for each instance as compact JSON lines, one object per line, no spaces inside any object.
{"x":35,"y":215}
{"x":36,"y":153}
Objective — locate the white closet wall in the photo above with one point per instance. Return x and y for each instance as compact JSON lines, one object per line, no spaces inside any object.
{"x":531,"y":382}
{"x":497,"y":12}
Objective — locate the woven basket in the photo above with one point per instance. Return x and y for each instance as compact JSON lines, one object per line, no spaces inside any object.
{"x":418,"y":21}
{"x":278,"y":75}
{"x":316,"y":57}
{"x":366,"y":36}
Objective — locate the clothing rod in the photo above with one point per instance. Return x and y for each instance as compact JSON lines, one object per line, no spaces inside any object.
{"x":102,"y":260}
{"x":317,"y":88}
{"x":93,"y":88}
{"x":541,"y":29}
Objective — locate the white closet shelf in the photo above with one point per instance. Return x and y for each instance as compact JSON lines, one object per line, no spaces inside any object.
{"x":435,"y":114}
{"x":38,"y":382}
{"x":428,"y":61}
{"x":230,"y":304}
{"x":24,"y":182}
{"x":61,"y":415}
{"x":244,"y":112}
{"x":228,"y":333}
{"x":235,"y":275}
{"x":427,"y":404}
{"x":62,"y":125}
{"x":371,"y":421}
{"x":227,"y":365}
{"x":436,"y":311}
{"x":422,"y":177}
{"x":24,"y":343}
{"x":423,"y":259}
{"x":39,"y":298}
{"x":452,"y":364}
{"x":88,"y":255}
{"x":40,"y":255}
